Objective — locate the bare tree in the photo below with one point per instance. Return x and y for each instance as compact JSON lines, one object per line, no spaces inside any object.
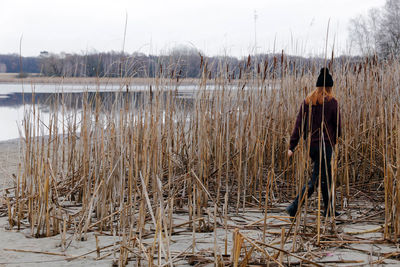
{"x":364,"y":30}
{"x":379,"y":31}
{"x":389,"y":30}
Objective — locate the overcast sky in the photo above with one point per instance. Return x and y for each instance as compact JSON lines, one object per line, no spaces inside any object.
{"x":155,"y":26}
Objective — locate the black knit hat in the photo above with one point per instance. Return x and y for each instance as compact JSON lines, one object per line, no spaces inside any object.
{"x":328,"y":78}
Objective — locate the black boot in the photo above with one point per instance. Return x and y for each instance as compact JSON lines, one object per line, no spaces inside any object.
{"x":292,"y":209}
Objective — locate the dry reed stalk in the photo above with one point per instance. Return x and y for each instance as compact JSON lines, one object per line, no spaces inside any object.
{"x":282,"y":244}
{"x":127,"y":161}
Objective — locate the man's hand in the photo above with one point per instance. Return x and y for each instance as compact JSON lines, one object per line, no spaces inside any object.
{"x":289,"y":153}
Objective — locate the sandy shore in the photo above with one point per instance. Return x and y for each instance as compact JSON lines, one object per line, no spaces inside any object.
{"x":9,"y":160}
{"x":15,"y":245}
{"x":18,"y":248}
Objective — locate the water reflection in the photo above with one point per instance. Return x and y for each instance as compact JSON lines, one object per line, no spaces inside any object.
{"x":13,"y":106}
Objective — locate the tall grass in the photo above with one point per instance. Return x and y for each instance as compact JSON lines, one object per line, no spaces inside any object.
{"x":121,"y":164}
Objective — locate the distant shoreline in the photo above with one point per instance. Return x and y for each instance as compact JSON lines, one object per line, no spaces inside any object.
{"x":13,"y":79}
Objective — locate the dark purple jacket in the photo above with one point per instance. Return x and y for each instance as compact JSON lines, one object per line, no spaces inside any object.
{"x":332,"y":123}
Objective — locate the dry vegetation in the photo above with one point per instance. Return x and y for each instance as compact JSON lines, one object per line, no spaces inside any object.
{"x":131,"y":166}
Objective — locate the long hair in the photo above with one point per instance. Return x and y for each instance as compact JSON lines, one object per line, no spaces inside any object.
{"x":318,"y":95}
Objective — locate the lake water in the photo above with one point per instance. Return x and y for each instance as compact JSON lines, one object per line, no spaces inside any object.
{"x":16,"y":99}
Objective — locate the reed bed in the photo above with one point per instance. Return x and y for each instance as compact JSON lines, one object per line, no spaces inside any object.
{"x":127,"y":166}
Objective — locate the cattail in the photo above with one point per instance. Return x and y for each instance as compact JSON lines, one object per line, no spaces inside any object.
{"x":129,"y":162}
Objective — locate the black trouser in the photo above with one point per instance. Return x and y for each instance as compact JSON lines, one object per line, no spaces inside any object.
{"x":326,"y":175}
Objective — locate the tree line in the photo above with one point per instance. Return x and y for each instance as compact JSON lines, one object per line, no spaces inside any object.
{"x":12,"y":63}
{"x":181,"y":62}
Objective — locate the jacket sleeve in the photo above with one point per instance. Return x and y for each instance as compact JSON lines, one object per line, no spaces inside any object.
{"x":339,"y":122}
{"x":297,"y":132}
